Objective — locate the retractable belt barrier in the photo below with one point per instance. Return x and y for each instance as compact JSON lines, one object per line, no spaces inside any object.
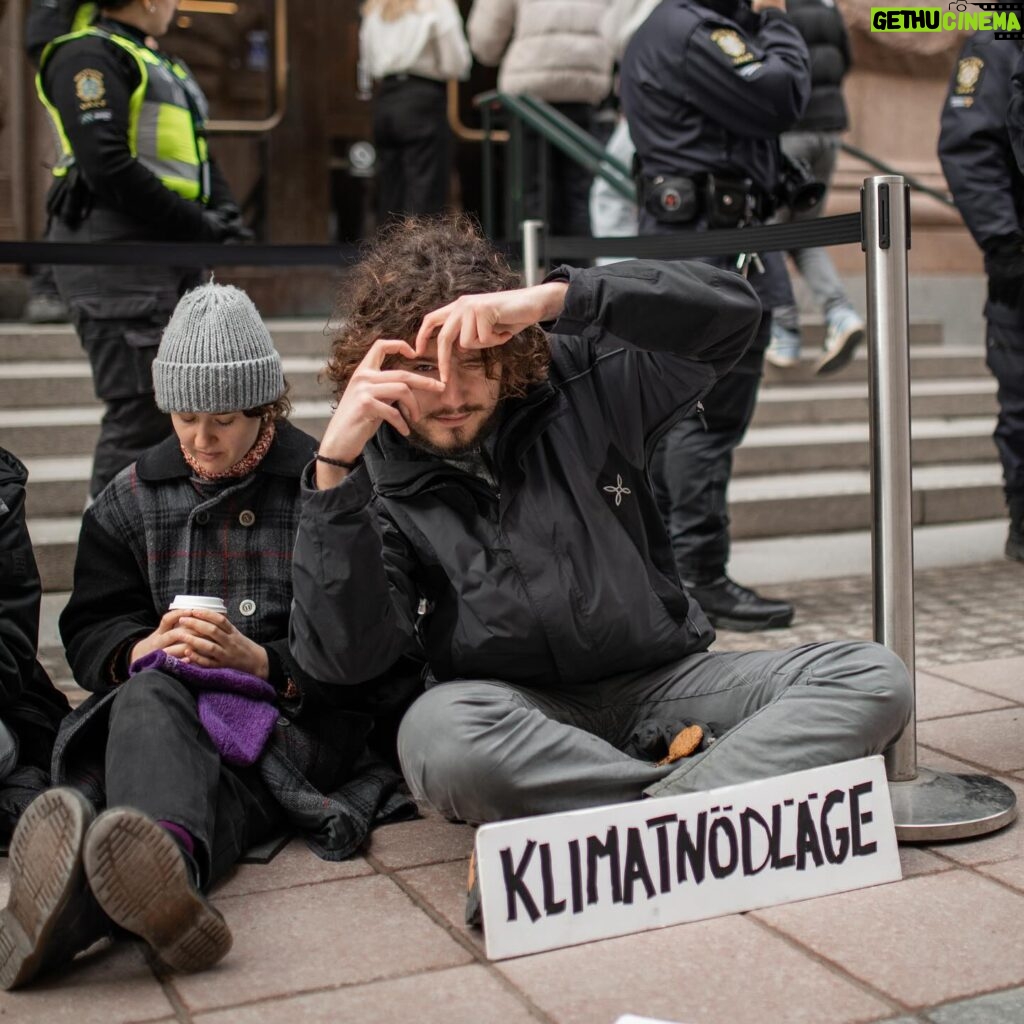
{"x":678,"y":245}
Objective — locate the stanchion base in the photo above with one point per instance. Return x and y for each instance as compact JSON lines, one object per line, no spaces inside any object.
{"x":941,"y":805}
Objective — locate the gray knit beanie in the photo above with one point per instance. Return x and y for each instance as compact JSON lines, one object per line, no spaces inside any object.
{"x":216,"y":355}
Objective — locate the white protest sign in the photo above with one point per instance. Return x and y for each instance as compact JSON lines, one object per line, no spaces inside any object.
{"x":561,"y":879}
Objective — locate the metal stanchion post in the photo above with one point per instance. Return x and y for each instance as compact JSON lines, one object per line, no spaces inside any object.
{"x":531,"y":251}
{"x":927,"y":804}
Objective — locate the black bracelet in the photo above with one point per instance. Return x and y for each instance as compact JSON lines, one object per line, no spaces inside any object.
{"x":336,"y":462}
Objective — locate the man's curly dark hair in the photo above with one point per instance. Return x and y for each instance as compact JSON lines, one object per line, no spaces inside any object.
{"x":414,"y":266}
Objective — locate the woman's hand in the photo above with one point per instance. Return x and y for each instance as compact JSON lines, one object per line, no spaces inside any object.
{"x":166,"y":637}
{"x":213,"y":642}
{"x":373,"y":396}
{"x":489,"y":320}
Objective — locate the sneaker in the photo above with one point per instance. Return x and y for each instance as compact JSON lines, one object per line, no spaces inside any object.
{"x":49,"y":915}
{"x":732,"y":606}
{"x":784,"y":348}
{"x":844,"y":332}
{"x":45,"y":309}
{"x":141,"y":878}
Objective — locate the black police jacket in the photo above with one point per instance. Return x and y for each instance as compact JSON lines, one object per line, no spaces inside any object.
{"x":821,"y":24}
{"x":975,"y":150}
{"x":705,"y":93}
{"x":562,"y":572}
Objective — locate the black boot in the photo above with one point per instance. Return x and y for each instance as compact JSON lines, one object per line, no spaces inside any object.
{"x":145,"y":883}
{"x":1015,"y":540}
{"x":50,"y":914}
{"x":731,"y":606}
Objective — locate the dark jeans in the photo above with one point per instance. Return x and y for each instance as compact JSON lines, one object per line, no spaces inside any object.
{"x":568,"y":184}
{"x":161,"y":761}
{"x":1005,"y":358}
{"x":410,"y":132}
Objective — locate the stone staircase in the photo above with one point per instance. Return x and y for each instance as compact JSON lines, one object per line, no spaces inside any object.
{"x":802,"y":471}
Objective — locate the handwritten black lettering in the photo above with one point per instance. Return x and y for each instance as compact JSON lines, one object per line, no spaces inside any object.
{"x":514,"y":885}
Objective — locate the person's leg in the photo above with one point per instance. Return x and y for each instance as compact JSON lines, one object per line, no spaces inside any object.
{"x":489,"y":751}
{"x":387,"y":111}
{"x":129,"y":426}
{"x":120,"y":333}
{"x":426,"y":155}
{"x":160,"y":761}
{"x":50,"y":914}
{"x":570,"y":183}
{"x":1005,"y":358}
{"x":779,"y":712}
{"x":177,"y":819}
{"x":691,"y":472}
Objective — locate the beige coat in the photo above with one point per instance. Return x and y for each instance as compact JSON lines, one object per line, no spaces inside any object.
{"x":551,"y":49}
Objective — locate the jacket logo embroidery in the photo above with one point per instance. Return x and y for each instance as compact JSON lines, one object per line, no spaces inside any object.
{"x":618,"y":490}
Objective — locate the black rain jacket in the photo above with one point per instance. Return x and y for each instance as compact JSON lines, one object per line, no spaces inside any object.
{"x":562,"y":573}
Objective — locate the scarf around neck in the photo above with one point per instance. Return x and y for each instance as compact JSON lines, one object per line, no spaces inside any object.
{"x":246,"y":464}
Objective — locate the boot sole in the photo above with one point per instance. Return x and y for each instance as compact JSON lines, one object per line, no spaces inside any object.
{"x":781,"y":621}
{"x":140,"y":879}
{"x":46,"y":876}
{"x":839,"y":358}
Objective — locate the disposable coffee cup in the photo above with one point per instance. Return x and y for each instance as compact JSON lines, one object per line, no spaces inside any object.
{"x":194,"y":602}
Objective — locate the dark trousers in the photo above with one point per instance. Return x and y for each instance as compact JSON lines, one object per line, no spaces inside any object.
{"x":692,"y":464}
{"x":567,"y":184}
{"x":1005,"y":358}
{"x":119,"y":314}
{"x":410,"y":133}
{"x":161,"y":761}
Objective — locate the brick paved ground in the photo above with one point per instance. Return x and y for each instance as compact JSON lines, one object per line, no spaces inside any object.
{"x":380,"y":938}
{"x":961,"y":614}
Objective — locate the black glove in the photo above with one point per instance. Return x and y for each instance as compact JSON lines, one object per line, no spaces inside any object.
{"x":224,"y":224}
{"x":1004,"y":264}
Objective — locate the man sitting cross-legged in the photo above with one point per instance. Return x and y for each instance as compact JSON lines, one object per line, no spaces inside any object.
{"x":481,"y":496}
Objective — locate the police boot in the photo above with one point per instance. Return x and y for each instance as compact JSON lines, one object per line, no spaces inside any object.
{"x":1015,"y":540}
{"x":732,"y":606}
{"x":50,"y":914}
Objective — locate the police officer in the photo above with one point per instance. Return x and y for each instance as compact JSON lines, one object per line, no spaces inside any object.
{"x":134,"y":167}
{"x":988,"y":188}
{"x":707,"y":87}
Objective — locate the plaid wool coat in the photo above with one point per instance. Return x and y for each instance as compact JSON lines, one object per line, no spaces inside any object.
{"x":155,"y":532}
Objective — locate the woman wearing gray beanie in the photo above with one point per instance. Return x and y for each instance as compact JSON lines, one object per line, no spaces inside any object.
{"x":200,"y":728}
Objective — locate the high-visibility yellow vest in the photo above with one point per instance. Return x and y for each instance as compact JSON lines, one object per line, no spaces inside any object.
{"x":167,"y":113}
{"x":84,"y":16}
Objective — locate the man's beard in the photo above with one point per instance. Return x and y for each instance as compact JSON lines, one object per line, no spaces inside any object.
{"x":461,"y":442}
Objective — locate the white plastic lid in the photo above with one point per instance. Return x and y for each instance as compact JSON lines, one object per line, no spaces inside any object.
{"x":188,"y":601}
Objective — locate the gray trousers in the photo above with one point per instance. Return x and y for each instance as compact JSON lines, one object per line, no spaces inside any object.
{"x":486,"y":750}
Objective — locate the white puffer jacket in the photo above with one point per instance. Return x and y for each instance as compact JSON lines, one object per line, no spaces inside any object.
{"x":556,"y":51}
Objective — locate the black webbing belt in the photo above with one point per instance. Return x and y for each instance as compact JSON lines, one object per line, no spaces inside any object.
{"x":808,"y":234}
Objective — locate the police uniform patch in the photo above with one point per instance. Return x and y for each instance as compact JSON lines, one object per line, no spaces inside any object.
{"x":968,"y":75}
{"x":89,"y":89}
{"x":732,"y":44}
